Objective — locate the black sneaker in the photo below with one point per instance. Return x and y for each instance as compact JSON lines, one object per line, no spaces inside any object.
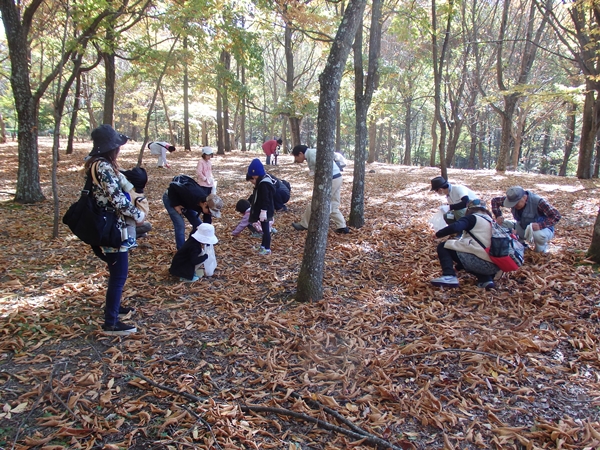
{"x":124,"y":310}
{"x":299,"y":227}
{"x":344,"y":230}
{"x":119,"y":329}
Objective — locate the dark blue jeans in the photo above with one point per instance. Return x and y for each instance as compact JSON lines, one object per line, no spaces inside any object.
{"x":266,"y":237}
{"x":178,"y":223}
{"x":118,"y":268}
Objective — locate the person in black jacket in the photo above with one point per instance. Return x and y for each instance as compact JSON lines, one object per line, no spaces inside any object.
{"x":184,"y":197}
{"x":196,"y":250}
{"x":261,"y":207}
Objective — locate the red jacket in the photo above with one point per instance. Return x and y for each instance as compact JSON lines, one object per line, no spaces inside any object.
{"x":270,"y":147}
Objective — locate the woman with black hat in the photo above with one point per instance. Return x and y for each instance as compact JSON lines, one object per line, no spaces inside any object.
{"x":458,"y":198}
{"x":102,"y":166}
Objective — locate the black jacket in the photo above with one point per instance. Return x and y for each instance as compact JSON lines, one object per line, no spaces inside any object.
{"x":187,"y":257}
{"x":262,"y":198}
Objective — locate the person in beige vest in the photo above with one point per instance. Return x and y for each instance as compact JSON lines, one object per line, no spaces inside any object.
{"x":466,"y":253}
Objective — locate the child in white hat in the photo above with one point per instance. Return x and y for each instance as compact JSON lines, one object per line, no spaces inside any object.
{"x":197,"y":255}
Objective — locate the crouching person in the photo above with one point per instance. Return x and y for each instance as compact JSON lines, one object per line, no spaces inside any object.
{"x":196,"y":257}
{"x":466,"y":253}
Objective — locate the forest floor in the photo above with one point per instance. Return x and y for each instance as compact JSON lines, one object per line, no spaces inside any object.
{"x":384,"y":357}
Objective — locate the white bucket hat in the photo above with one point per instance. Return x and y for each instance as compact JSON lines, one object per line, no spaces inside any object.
{"x":205,"y":233}
{"x":207,"y":150}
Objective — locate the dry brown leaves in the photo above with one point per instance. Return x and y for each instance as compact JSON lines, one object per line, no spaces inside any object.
{"x":378,"y":350}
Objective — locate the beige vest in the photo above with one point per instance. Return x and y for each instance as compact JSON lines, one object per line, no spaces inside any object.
{"x":466,"y":244}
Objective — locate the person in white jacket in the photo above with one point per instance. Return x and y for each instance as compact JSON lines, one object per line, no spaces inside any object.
{"x":302,"y":153}
{"x":160,"y":149}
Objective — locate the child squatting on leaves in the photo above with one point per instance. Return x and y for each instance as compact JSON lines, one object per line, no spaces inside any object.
{"x":261,"y":207}
{"x":196,"y":257}
{"x":243,"y":207}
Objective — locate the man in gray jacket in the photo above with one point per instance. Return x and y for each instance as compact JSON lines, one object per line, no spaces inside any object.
{"x":534,"y":217}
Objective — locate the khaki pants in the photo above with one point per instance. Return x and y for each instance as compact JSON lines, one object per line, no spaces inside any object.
{"x":336,"y":215}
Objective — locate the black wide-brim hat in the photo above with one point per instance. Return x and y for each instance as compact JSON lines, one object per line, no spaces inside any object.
{"x":106,"y":139}
{"x":437,"y":183}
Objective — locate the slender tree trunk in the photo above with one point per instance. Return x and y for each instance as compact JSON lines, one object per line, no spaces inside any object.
{"x":109,"y":87}
{"x":372,"y":140}
{"x":243,"y":113}
{"x":87,"y":95}
{"x":588,"y":135}
{"x":186,"y":99}
{"x":310,"y":279}
{"x":289,"y":83}
{"x":28,"y":176}
{"x":362,"y":97}
{"x":407,"y":132}
{"x":74,"y":113}
{"x":220,"y":131}
{"x":226,"y":61}
{"x":167,"y":117}
{"x":569,"y":139}
{"x":593,"y":252}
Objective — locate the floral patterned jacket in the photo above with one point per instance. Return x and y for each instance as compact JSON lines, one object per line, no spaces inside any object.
{"x":108,"y":192}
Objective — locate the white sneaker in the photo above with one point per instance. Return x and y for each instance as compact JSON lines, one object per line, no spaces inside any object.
{"x":445,"y":280}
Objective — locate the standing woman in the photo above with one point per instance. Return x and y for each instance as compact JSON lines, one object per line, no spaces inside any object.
{"x":107,"y":192}
{"x":204,"y":171}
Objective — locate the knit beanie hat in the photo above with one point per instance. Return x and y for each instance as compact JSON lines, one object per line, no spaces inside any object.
{"x":255,"y":169}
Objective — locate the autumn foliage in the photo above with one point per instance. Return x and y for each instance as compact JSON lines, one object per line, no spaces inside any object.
{"x":385,"y":359}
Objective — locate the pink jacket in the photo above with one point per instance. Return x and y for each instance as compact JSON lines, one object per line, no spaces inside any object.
{"x":204,"y":172}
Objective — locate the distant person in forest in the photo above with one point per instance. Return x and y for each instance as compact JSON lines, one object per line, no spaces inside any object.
{"x":184,"y":197}
{"x":261,"y":206}
{"x":534,"y":217}
{"x":204,"y":171}
{"x":458,"y":198}
{"x":302,"y":153}
{"x":270,"y":148}
{"x":160,"y":149}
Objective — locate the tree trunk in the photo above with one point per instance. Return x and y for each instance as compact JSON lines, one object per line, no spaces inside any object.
{"x":187,"y":146}
{"x":74,"y":113}
{"x":2,"y":130}
{"x":506,"y":116}
{"x":407,"y":132}
{"x":363,"y":102}
{"x":310,"y":279}
{"x":87,"y":95}
{"x":588,"y":135}
{"x":593,"y":252}
{"x":372,"y":141}
{"x":226,"y":61}
{"x":243,"y":113}
{"x":220,"y":140}
{"x":109,"y":88}
{"x":167,"y":117}
{"x":289,"y":84}
{"x":28,"y":176}
{"x":569,"y":139}
{"x":473,"y":149}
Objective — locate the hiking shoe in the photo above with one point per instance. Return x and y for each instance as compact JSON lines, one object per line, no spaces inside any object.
{"x":487,"y":285}
{"x":264,"y":251}
{"x":299,"y":227}
{"x":118,"y":329}
{"x":187,"y":280}
{"x":344,"y":230}
{"x":273,"y":231}
{"x":445,"y":280}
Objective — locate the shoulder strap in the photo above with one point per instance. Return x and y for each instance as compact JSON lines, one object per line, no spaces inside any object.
{"x":473,"y":236}
{"x":93,"y":172}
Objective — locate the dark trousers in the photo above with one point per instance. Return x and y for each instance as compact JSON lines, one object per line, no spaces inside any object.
{"x":266,"y":237}
{"x":449,"y":257}
{"x":118,"y":268}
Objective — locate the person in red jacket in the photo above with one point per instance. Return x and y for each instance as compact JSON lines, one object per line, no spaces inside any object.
{"x":270,"y":148}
